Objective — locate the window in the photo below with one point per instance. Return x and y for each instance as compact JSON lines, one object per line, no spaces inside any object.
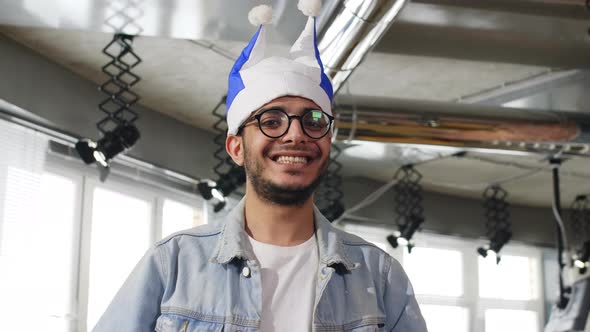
{"x":122,"y":222}
{"x":435,"y":271}
{"x":121,"y":226}
{"x":177,"y":216}
{"x":437,"y":277}
{"x":67,"y":241}
{"x":502,"y":320}
{"x":512,"y":279}
{"x":38,"y":239}
{"x":444,"y":318}
{"x":459,"y":291}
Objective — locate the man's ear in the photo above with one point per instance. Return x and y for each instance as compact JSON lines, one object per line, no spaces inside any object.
{"x":234,"y":146}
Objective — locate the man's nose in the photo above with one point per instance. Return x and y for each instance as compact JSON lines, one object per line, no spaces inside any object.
{"x":295,"y":132}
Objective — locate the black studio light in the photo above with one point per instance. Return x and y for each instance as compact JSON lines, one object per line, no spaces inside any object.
{"x":208,"y":190}
{"x":117,"y":130}
{"x":403,"y":237}
{"x":582,"y":257}
{"x":409,"y":212}
{"x":580,"y":225}
{"x":111,"y":144}
{"x":500,"y":238}
{"x":497,"y":222}
{"x":223,"y":187}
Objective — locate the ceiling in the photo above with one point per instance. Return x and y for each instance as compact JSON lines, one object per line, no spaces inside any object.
{"x":521,"y":53}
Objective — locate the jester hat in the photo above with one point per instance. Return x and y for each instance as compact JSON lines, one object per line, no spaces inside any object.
{"x":256,"y":80}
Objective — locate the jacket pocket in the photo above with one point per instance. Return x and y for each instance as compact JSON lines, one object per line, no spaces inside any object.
{"x":368,"y":328}
{"x":176,"y":323}
{"x":368,"y":324}
{"x":365,"y":324}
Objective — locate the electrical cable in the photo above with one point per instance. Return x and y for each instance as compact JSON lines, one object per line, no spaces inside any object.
{"x":523,"y":166}
{"x":530,"y":170}
{"x":561,"y":225}
{"x":370,"y":199}
{"x":374,"y":196}
{"x":500,"y":163}
{"x":474,"y":185}
{"x":215,"y":49}
{"x":561,"y":236}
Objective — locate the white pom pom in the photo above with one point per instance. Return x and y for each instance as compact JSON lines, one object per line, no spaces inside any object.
{"x":310,"y":7}
{"x":260,"y":15}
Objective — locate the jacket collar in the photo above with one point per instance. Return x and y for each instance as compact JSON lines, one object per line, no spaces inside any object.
{"x":233,"y":241}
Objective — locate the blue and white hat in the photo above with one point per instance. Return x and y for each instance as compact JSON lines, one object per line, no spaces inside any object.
{"x":256,"y":80}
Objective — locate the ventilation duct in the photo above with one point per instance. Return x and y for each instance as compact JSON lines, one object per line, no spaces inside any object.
{"x":349,"y":30}
{"x":463,"y":126}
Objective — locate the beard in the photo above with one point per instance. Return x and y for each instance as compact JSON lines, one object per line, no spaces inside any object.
{"x":284,"y":195}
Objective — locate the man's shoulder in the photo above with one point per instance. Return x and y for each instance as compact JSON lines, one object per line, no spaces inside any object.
{"x":207,"y":231}
{"x":352,"y":241}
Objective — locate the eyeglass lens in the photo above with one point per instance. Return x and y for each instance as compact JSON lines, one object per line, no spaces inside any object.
{"x":275,"y":123}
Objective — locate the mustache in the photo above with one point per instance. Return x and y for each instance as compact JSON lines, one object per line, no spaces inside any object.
{"x":316,"y":152}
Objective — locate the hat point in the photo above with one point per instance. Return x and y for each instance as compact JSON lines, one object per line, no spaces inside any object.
{"x":310,"y":7}
{"x":260,"y":15}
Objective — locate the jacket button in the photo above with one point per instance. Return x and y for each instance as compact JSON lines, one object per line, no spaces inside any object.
{"x":246,"y":272}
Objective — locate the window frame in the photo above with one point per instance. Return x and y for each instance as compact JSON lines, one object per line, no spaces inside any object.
{"x":90,"y":185}
{"x":87,"y":179}
{"x":470,"y":300}
{"x":537,"y":304}
{"x":76,"y":256}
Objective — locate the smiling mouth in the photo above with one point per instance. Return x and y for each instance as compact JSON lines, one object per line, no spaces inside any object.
{"x":291,"y":160}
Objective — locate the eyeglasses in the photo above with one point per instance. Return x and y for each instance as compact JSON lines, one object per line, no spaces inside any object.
{"x":275,"y":123}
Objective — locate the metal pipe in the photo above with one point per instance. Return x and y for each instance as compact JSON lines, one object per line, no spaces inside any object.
{"x":352,"y":29}
{"x":573,"y":9}
{"x":465,"y":126}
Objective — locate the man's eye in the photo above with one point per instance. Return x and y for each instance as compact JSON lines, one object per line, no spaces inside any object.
{"x":314,"y":124}
{"x":270,"y":123}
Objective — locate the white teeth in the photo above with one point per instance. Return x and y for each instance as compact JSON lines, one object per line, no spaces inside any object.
{"x":291,"y":160}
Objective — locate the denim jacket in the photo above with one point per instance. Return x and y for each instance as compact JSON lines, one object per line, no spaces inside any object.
{"x":197,"y":280}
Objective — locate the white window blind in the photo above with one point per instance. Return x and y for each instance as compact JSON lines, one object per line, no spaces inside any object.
{"x":36,"y":236}
{"x":22,"y":156}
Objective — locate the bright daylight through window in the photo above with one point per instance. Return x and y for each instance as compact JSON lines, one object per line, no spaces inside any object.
{"x":121,"y":227}
{"x":460,"y":291}
{"x":38,"y":209}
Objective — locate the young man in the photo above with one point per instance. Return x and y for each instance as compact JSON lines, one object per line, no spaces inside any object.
{"x":275,"y":264}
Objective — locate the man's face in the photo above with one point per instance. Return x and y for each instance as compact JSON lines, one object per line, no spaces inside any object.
{"x":284,"y":170}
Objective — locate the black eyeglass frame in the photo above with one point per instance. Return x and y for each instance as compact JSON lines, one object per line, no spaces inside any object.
{"x":289,"y":117}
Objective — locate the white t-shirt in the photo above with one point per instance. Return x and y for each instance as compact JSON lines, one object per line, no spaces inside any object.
{"x":288,"y":285}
